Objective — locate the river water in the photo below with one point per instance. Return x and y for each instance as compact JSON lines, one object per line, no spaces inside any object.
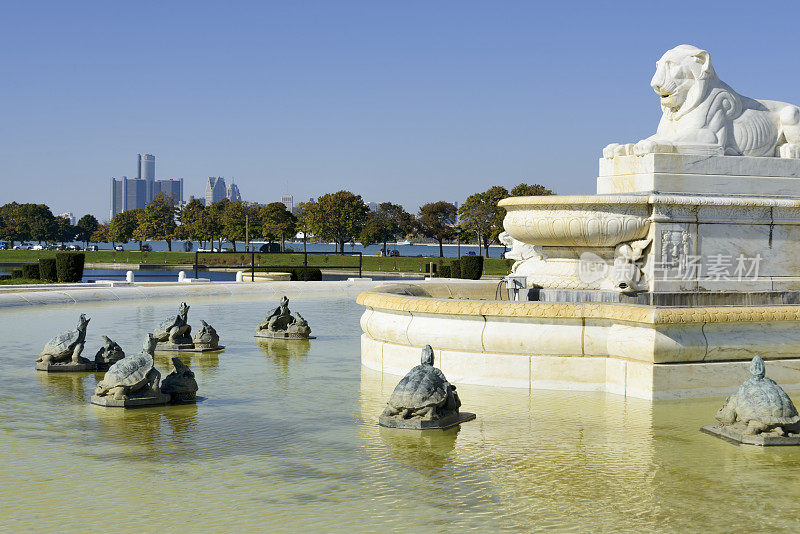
{"x":286,"y":440}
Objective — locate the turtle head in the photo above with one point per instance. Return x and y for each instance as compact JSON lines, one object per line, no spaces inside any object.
{"x":184,"y":310}
{"x":757,"y":367}
{"x":149,"y":345}
{"x":107,"y":341}
{"x":82,"y":322}
{"x":427,"y":355}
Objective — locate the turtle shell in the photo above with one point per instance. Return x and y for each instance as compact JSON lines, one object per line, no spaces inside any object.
{"x":763,"y":400}
{"x":163,"y":329}
{"x":62,"y":343}
{"x":424,"y":385}
{"x":128,"y":371}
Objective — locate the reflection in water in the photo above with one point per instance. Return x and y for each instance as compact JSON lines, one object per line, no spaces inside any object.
{"x":281,"y":351}
{"x":423,"y":450}
{"x":288,"y":439}
{"x":68,"y":386}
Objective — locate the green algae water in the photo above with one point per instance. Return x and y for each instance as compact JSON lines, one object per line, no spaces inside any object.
{"x":286,"y":439}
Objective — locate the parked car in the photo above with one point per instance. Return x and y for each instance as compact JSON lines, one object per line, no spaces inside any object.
{"x":93,"y":248}
{"x":394,"y":253}
{"x":146,"y":248}
{"x":119,"y":248}
{"x":37,"y":247}
{"x":74,"y":247}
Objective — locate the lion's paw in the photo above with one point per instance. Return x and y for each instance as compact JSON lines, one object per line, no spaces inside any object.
{"x":616,"y":149}
{"x":651,"y":146}
{"x":789,"y":151}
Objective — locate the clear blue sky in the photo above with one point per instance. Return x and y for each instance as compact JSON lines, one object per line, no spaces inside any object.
{"x":403,"y":101}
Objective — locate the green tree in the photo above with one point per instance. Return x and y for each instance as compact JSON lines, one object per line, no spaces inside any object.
{"x":87,"y":225}
{"x":214,"y":220}
{"x":481,"y":214}
{"x":63,"y":231}
{"x":525,"y":190}
{"x":13,"y":228}
{"x":277,"y":222}
{"x":122,"y":226}
{"x":158,"y":221}
{"x":385,"y":224}
{"x":193,"y":222}
{"x":437,"y":221}
{"x":338,"y":217}
{"x":234,"y":221}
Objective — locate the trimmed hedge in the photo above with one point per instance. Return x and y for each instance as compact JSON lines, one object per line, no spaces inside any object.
{"x":472,"y":267}
{"x":47,"y":269}
{"x":5,"y":277}
{"x":31,"y":271}
{"x":455,"y":269}
{"x":69,"y":266}
{"x":443,"y":271}
{"x":312,"y":274}
{"x":16,"y":273}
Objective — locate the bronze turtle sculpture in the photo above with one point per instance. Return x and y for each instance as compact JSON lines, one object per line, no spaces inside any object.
{"x":66,"y":346}
{"x":424,"y":392}
{"x":131,"y":374}
{"x":760,"y":404}
{"x":175,"y":329}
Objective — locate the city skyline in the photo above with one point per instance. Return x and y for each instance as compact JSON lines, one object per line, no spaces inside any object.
{"x":410,"y":104}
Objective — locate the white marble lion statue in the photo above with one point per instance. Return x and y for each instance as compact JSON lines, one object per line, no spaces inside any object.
{"x":703,"y":115}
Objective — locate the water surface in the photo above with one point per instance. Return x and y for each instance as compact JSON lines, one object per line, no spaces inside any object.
{"x":286,"y":440}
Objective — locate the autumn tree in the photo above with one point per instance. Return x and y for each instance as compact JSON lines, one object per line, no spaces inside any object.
{"x":157,"y":221}
{"x":100,"y":235}
{"x":277,"y":221}
{"x":437,"y":220}
{"x":234,"y":218}
{"x":337,"y":217}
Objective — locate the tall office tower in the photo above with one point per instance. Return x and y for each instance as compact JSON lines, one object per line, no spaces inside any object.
{"x":171,"y":188}
{"x":215,"y":189}
{"x":233,"y":193}
{"x":373,"y":206}
{"x":116,"y":197}
{"x":68,"y":216}
{"x":146,"y":170}
{"x":288,"y":201}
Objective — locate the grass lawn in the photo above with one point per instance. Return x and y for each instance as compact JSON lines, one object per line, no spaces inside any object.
{"x":492,"y":266}
{"x":21,"y":281}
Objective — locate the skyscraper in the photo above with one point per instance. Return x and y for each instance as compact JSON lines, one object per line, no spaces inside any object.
{"x":146,"y":170}
{"x":171,"y":188}
{"x":215,"y":189}
{"x":233,"y":193}
{"x":288,"y":201}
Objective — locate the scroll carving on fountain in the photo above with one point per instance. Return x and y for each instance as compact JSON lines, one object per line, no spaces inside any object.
{"x":718,"y":183}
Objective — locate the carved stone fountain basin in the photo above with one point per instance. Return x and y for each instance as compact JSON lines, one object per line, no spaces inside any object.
{"x":577,"y":220}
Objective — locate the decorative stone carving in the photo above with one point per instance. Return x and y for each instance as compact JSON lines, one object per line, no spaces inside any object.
{"x":180,"y":384}
{"x":627,"y":274}
{"x":759,"y":408}
{"x":175,"y":331}
{"x":132,"y":381}
{"x":109,"y":354}
{"x":206,"y":337}
{"x":281,"y":324}
{"x":424,"y":399}
{"x":174,"y":335}
{"x":519,"y":251}
{"x":63,"y":352}
{"x":703,"y":115}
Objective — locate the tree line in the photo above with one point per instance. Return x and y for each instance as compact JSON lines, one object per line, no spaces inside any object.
{"x":341,"y":217}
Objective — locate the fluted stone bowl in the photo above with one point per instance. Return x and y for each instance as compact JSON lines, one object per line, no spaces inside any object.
{"x":577,"y":220}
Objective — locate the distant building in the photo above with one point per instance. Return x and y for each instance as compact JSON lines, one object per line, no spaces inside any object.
{"x":288,"y":201}
{"x":69,"y":216}
{"x":146,"y":170}
{"x":215,"y":189}
{"x":201,"y":200}
{"x":232,"y":193}
{"x":373,"y":206}
{"x":127,"y":194}
{"x":171,"y":188}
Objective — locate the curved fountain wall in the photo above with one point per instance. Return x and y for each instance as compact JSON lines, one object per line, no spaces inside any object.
{"x":648,"y":352}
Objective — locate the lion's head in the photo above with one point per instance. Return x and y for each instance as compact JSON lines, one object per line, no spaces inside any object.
{"x":682,"y":78}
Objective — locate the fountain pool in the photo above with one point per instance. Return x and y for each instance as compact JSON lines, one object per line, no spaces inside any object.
{"x":286,"y":439}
